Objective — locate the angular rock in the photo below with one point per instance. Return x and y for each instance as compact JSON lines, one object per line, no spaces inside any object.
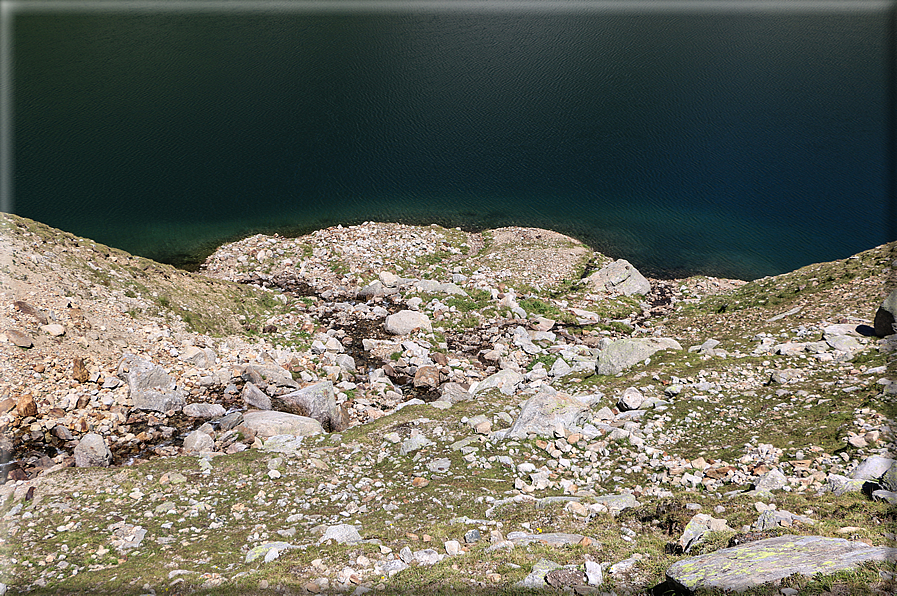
{"x":198,"y":441}
{"x":454,"y":392}
{"x":428,"y":556}
{"x":872,"y":468}
{"x":79,"y":370}
{"x":617,"y":503}
{"x":889,"y":480}
{"x":149,"y":386}
{"x":255,"y":397}
{"x":268,"y":423}
{"x":697,"y":529}
{"x":199,"y":410}
{"x":623,"y":353}
{"x":505,"y":381}
{"x":53,"y":329}
{"x":19,"y":338}
{"x":536,"y":578}
{"x":272,"y":374}
{"x":772,"y":480}
{"x":199,"y":357}
{"x":618,"y":276}
{"x":25,"y":406}
{"x":886,"y":315}
{"x":543,"y":412}
{"x":594,"y":574}
{"x":632,"y":400}
{"x":548,"y":538}
{"x":406,"y":321}
{"x":25,"y":308}
{"x":92,"y":451}
{"x":316,"y":401}
{"x":264,"y":551}
{"x":341,"y":534}
{"x":756,"y":563}
{"x":427,"y":376}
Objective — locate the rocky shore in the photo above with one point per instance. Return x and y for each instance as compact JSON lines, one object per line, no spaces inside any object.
{"x":403,"y":409}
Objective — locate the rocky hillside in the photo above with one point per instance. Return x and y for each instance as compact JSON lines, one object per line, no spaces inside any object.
{"x":406,"y":409}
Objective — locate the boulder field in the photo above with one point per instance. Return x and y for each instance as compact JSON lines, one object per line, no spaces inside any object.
{"x":400,"y":409}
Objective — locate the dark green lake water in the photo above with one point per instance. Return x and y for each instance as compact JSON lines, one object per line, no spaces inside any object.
{"x":728,"y":142}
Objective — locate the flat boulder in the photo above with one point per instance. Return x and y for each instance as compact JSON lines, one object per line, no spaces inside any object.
{"x":753,"y":564}
{"x":200,"y":410}
{"x":505,"y":381}
{"x":872,"y":468}
{"x":618,"y":277}
{"x":623,"y":353}
{"x":886,"y":315}
{"x":149,"y":386}
{"x":91,"y":451}
{"x":19,"y":338}
{"x":542,"y":413}
{"x":268,"y":423}
{"x":406,"y":321}
{"x":316,"y":401}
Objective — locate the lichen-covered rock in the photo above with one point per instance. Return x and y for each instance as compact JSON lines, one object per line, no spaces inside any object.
{"x":756,"y":563}
{"x":542,"y":413}
{"x":623,"y":353}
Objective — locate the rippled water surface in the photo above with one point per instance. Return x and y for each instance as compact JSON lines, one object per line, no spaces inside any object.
{"x":736,"y":143}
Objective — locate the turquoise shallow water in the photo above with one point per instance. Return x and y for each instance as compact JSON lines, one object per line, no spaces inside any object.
{"x":732,"y":143}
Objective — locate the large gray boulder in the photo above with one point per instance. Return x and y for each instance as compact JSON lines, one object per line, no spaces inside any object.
{"x":268,"y":423}
{"x":406,"y":321}
{"x":91,"y":451}
{"x":618,"y":277}
{"x":505,"y":381}
{"x":886,"y":315}
{"x":542,"y":413}
{"x":255,"y":397}
{"x":872,"y":468}
{"x":149,"y":386}
{"x":623,"y":353}
{"x":753,"y":564}
{"x":316,"y":401}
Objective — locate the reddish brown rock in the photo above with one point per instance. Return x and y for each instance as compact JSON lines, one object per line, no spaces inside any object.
{"x":25,"y":308}
{"x":25,"y":406}
{"x":79,"y":370}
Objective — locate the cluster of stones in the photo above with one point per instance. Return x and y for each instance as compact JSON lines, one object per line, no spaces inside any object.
{"x":603,"y":452}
